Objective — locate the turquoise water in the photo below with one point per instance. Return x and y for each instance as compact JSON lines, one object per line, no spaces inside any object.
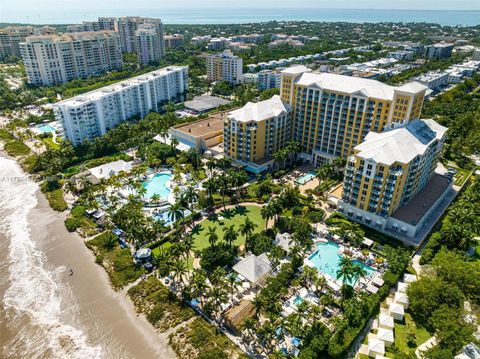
{"x":298,"y":300}
{"x":327,"y":260}
{"x":230,"y":15}
{"x":305,"y":178}
{"x":158,"y":185}
{"x":46,"y":128}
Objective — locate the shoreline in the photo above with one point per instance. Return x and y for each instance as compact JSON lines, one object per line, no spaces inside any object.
{"x":89,"y":303}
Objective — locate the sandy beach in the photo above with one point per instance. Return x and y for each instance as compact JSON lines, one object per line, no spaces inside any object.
{"x":90,"y":318}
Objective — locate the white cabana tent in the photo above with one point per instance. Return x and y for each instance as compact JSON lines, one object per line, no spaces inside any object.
{"x":402,"y":287}
{"x":372,"y":289}
{"x":397,"y":311}
{"x":409,"y":278}
{"x":367,"y":242}
{"x":375,"y":347}
{"x":377,"y":280}
{"x":386,"y":335}
{"x":401,"y":298}
{"x":385,"y":321}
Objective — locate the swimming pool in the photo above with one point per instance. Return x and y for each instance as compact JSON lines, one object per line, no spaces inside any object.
{"x":297,"y":300}
{"x":158,"y":185}
{"x":305,"y":178}
{"x":327,"y":260}
{"x":44,"y":128}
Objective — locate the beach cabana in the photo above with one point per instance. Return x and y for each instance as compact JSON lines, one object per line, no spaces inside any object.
{"x":254,"y":269}
{"x":386,"y":336}
{"x":409,"y":278}
{"x":402,"y":287}
{"x":367,"y":242}
{"x":143,"y":254}
{"x":375,"y":347}
{"x":236,"y":316}
{"x":385,"y":321}
{"x":377,"y":280}
{"x":372,"y":289}
{"x":397,"y":311}
{"x":401,"y":298}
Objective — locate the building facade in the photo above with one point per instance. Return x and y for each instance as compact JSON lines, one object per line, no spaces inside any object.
{"x":388,"y":170}
{"x":12,"y":36}
{"x":255,"y":132}
{"x":148,"y":44}
{"x":127,"y":27}
{"x":439,"y":51}
{"x":333,"y":113}
{"x":225,"y":67}
{"x":54,"y":59}
{"x":173,"y":41}
{"x":90,"y":115}
{"x":269,"y":79}
{"x":476,"y":55}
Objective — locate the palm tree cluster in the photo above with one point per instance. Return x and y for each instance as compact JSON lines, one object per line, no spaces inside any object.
{"x":288,"y":153}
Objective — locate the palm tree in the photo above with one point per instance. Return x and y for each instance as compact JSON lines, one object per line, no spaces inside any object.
{"x":211,"y":164}
{"x":212,"y":236}
{"x":155,"y":198}
{"x":345,"y":270}
{"x":218,"y":296}
{"x":232,"y":284}
{"x":224,"y":185}
{"x":191,"y":196}
{"x":358,"y":272}
{"x":247,"y":228}
{"x":257,"y":306}
{"x":230,"y":234}
{"x":198,"y":284}
{"x":179,"y":269}
{"x":319,"y":282}
{"x":267,"y":212}
{"x":175,"y":214}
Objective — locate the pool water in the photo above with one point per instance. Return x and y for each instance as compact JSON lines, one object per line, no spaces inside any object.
{"x":327,"y":260}
{"x":305,"y":178}
{"x":45,"y":128}
{"x":158,"y":185}
{"x":298,"y":300}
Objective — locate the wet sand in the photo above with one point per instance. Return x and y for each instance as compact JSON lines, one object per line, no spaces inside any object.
{"x":107,"y":318}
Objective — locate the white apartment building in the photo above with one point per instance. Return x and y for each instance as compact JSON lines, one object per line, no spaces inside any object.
{"x":127,"y":27}
{"x":434,"y":80}
{"x":12,"y":36}
{"x":174,"y":40}
{"x":53,"y":59}
{"x":225,"y":67}
{"x":249,"y":39}
{"x":269,"y":79}
{"x":218,"y":43}
{"x":476,"y":55}
{"x":92,"y":114}
{"x":148,"y":44}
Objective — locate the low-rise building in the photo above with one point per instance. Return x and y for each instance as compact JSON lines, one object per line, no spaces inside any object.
{"x":434,"y":80}
{"x":249,"y":39}
{"x":439,"y":51}
{"x":204,"y":103}
{"x":201,"y":134}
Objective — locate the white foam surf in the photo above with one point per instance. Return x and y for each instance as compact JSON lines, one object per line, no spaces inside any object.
{"x":32,"y":287}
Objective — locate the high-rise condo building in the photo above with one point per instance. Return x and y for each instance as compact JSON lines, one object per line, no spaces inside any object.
{"x":148,"y":44}
{"x":253,"y":133}
{"x":174,"y":40}
{"x":333,"y":113}
{"x":12,"y":36}
{"x":127,"y":27}
{"x":269,"y":79}
{"x":439,"y":51}
{"x":92,"y":114}
{"x":390,"y":182}
{"x":225,"y":67}
{"x":54,"y":59}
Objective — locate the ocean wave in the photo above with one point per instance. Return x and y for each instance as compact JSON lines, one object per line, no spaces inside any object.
{"x":32,"y":288}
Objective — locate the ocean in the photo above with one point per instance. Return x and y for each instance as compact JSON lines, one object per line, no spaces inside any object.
{"x":235,"y":16}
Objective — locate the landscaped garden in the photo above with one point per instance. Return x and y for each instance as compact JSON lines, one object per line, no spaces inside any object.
{"x":224,"y":219}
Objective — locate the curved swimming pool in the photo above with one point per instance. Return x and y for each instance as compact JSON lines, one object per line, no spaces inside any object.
{"x":158,"y":185}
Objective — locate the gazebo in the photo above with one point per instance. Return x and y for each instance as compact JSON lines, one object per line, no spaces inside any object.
{"x":385,"y":321}
{"x":386,"y":335}
{"x":375,"y":347}
{"x":397,"y":311}
{"x":401,"y":298}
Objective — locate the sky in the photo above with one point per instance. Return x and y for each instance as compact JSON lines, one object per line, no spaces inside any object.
{"x":16,"y":5}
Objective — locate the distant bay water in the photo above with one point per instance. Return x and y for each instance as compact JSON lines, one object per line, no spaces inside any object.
{"x":60,"y":15}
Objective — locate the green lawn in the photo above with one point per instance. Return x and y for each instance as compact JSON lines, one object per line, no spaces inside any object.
{"x":49,"y":142}
{"x":233,"y":216}
{"x":421,"y":334}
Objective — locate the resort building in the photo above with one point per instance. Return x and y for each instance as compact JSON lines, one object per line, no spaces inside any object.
{"x":434,"y":80}
{"x":255,"y":269}
{"x":253,"y":133}
{"x":390,"y":182}
{"x":127,"y":27}
{"x":201,"y":134}
{"x":249,"y":39}
{"x":92,"y":114}
{"x":148,"y":44}
{"x":54,"y":59}
{"x":225,"y":67}
{"x":333,"y":113}
{"x":439,"y":51}
{"x":174,"y":40}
